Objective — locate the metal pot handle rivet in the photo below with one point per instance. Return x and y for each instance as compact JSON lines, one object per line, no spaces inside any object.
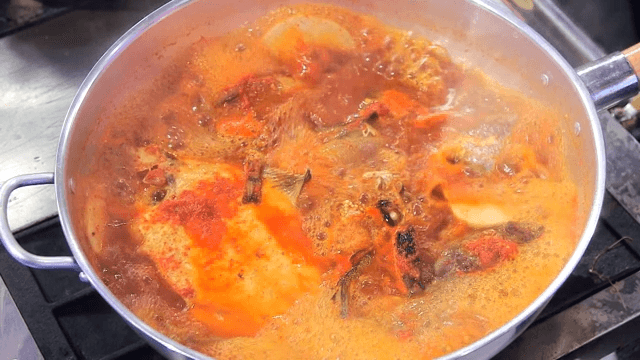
{"x":9,"y":241}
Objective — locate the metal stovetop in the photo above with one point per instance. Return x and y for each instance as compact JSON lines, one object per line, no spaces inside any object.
{"x":43,"y":64}
{"x":43,"y":60}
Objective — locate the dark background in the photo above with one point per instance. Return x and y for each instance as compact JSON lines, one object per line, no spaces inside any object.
{"x":611,"y":23}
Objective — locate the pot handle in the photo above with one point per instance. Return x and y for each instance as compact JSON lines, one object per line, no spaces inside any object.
{"x":9,"y":241}
{"x":613,"y":78}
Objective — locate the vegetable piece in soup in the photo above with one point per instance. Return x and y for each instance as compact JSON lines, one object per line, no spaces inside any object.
{"x":320,"y":184}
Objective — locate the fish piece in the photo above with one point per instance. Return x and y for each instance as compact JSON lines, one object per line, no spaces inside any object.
{"x":253,"y":185}
{"x":288,"y":182}
{"x":359,"y":260}
{"x":155,"y":177}
{"x":390,"y":212}
{"x":220,"y":257}
{"x":491,"y":250}
{"x":415,"y":266}
{"x":455,"y":259}
{"x":522,"y":232}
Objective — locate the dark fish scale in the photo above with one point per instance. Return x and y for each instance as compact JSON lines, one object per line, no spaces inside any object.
{"x":523,"y":232}
{"x":405,"y":243}
{"x":390,"y":212}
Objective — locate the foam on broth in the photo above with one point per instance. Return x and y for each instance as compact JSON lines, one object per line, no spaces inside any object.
{"x":154,"y":267}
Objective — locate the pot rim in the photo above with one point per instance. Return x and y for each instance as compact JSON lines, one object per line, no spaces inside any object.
{"x":59,"y":181}
{"x":531,"y":311}
{"x":166,"y":10}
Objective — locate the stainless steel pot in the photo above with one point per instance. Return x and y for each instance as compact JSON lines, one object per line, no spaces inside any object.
{"x":481,"y":32}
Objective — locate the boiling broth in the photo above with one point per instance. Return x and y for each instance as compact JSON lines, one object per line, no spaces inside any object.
{"x":320,"y":185}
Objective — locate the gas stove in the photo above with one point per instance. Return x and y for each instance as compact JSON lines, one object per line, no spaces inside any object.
{"x":48,"y":48}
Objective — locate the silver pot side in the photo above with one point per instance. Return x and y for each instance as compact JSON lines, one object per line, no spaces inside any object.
{"x":480,"y":31}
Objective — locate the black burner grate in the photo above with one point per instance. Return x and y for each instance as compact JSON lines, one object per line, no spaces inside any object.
{"x":614,"y":265}
{"x":67,"y":318}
